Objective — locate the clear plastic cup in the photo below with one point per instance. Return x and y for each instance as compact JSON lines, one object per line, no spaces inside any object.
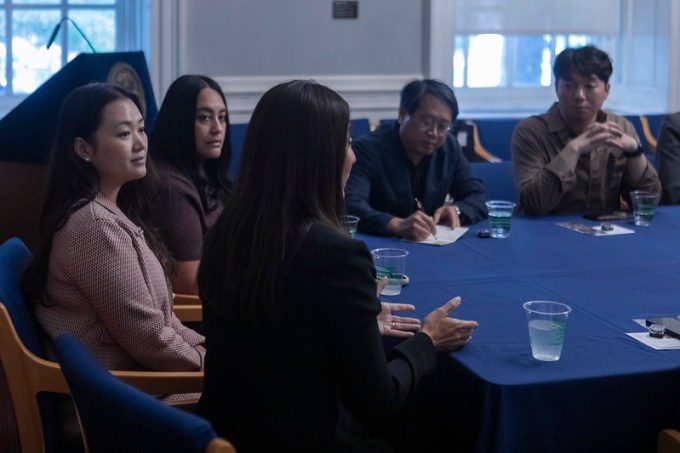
{"x":500,"y":216}
{"x":390,"y":263}
{"x":547,"y":327}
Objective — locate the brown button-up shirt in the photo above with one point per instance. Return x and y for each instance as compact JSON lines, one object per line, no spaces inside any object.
{"x":548,"y":186}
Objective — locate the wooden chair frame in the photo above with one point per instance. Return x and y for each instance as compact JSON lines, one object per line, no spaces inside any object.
{"x":186,"y":299}
{"x":188,"y":308}
{"x":649,"y":136}
{"x":668,"y":441}
{"x":479,"y":149}
{"x":27,"y":375}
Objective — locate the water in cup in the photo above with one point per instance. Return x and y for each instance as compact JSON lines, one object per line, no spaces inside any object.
{"x":390,"y":263}
{"x":546,"y":339}
{"x":500,"y":217}
{"x":547,"y":326}
{"x":644,"y":214}
{"x":351,"y":222}
{"x":644,"y":206}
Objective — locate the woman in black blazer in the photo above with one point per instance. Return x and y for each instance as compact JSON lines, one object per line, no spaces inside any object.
{"x":290,"y":300}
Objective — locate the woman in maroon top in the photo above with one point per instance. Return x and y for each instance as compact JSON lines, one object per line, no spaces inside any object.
{"x":191,"y":144}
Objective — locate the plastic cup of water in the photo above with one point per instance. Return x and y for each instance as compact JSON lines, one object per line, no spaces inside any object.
{"x":547,"y":327}
{"x":390,"y":263}
{"x":644,"y":206}
{"x":351,"y":223}
{"x":500,"y":216}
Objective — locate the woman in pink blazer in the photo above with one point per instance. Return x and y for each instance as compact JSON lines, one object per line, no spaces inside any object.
{"x":99,"y":272}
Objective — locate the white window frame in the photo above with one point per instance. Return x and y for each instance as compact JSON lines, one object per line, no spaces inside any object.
{"x":133,"y":17}
{"x":665,"y":96}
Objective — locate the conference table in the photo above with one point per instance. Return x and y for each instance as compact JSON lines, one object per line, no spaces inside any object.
{"x":608,"y":392}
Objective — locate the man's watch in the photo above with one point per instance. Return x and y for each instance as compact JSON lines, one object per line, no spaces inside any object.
{"x":638,"y":152}
{"x":457,"y":209}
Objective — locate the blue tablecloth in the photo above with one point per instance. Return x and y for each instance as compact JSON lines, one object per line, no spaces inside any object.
{"x":608,"y":392}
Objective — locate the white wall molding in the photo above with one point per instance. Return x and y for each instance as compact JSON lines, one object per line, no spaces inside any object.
{"x":674,"y":59}
{"x":441,"y":40}
{"x":166,"y":44}
{"x":374,"y":96}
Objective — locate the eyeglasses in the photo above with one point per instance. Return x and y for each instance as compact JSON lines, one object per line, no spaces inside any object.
{"x":427,"y":124}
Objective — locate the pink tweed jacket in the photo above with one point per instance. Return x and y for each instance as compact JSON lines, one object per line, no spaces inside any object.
{"x":106,"y":287}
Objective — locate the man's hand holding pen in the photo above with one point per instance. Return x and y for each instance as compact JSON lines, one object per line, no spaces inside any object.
{"x":433,"y":224}
{"x":419,"y":226}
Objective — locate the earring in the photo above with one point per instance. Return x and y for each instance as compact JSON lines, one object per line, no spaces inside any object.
{"x":86,"y":159}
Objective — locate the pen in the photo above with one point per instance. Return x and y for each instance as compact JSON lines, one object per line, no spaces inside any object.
{"x":419,"y":205}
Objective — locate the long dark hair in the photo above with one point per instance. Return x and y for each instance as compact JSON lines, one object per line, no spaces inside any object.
{"x":173,"y":139}
{"x":290,"y":177}
{"x":74,"y":182}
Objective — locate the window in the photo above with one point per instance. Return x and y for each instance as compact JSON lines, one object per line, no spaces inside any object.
{"x":26,"y":26}
{"x":498,"y":54}
{"x":519,"y":61}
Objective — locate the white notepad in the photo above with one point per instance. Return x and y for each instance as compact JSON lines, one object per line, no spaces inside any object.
{"x":445,"y":235}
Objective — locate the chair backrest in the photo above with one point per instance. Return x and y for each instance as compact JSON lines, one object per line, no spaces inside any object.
{"x":28,"y":374}
{"x":655,"y":120}
{"x":14,"y":258}
{"x":116,"y":417}
{"x":464,"y":131}
{"x":238,"y":134}
{"x":498,"y":179}
{"x":31,"y":379}
{"x":495,"y":135}
{"x":651,"y":127}
{"x":359,"y":127}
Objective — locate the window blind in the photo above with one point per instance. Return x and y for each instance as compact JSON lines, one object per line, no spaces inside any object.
{"x":535,"y":17}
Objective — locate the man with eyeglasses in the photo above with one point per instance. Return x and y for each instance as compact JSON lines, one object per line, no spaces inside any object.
{"x":412,"y":175}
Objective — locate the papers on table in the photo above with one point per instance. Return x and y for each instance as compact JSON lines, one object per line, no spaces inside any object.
{"x":603,"y":229}
{"x":445,"y":235}
{"x":667,"y":342}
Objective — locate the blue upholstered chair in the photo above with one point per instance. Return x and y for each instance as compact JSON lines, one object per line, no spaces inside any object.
{"x":29,"y":375}
{"x":116,"y":417}
{"x":655,"y":120}
{"x":32,"y":379}
{"x":238,"y":134}
{"x":359,"y":127}
{"x":498,"y":179}
{"x":651,"y":127}
{"x":494,"y":136}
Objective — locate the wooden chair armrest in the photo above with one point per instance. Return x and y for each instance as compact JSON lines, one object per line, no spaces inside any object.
{"x":186,"y":299}
{"x":162,"y":382}
{"x":220,"y":445}
{"x":188,"y":313}
{"x":668,"y":441}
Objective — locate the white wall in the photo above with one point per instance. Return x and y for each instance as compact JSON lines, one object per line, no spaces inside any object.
{"x":250,"y":45}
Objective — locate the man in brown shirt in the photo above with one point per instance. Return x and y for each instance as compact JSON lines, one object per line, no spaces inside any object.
{"x":576,"y":157}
